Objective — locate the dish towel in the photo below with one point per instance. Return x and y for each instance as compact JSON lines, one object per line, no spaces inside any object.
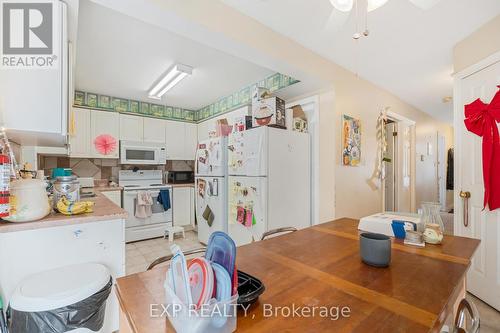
{"x":164,"y":199}
{"x":143,"y":205}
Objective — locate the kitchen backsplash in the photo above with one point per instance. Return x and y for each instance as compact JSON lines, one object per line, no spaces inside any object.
{"x":104,"y":168}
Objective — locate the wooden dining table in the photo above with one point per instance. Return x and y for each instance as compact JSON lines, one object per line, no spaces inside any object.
{"x":320,"y":268}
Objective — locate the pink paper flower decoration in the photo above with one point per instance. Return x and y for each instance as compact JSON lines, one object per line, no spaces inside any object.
{"x":105,"y":144}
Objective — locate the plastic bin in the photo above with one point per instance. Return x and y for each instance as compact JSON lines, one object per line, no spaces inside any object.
{"x":217,"y":317}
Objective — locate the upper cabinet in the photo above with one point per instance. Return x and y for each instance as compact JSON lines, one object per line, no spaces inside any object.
{"x":154,"y":130}
{"x":86,"y":125}
{"x":190,"y":140}
{"x":104,"y":123}
{"x":174,"y":139}
{"x":131,"y":127}
{"x":34,"y":100}
{"x":79,"y":133}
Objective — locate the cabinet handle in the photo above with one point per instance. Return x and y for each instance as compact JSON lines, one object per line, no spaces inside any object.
{"x":77,"y":233}
{"x":465,"y":196}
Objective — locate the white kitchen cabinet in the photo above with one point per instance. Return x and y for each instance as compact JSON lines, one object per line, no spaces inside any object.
{"x":131,"y":127}
{"x":154,"y":130}
{"x":79,"y":133}
{"x":190,"y":140}
{"x":174,"y":139}
{"x":115,"y":196}
{"x":23,"y":253}
{"x":103,"y":122}
{"x":183,"y":205}
{"x":181,"y":139}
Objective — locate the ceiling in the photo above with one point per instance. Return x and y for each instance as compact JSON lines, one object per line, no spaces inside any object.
{"x":121,"y":56}
{"x":408,"y":51}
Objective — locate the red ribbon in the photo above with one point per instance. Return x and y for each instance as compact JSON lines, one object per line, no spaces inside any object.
{"x":481,"y":119}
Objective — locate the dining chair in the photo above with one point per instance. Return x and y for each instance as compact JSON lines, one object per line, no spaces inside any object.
{"x":170,"y":256}
{"x":277,"y":231}
{"x":466,"y":312}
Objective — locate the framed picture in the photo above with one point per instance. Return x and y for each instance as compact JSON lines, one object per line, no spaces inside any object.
{"x":79,"y":98}
{"x":92,"y":100}
{"x":351,"y":141}
{"x":104,"y":102}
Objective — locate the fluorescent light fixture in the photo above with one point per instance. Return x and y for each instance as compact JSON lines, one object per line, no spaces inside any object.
{"x":173,"y":76}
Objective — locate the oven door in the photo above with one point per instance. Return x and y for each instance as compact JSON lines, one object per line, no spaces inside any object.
{"x":139,"y":155}
{"x":159,"y":215}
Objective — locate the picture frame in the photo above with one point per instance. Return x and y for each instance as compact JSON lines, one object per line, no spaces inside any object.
{"x":351,"y":141}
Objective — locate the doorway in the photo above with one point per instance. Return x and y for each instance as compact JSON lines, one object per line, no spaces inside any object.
{"x":398,"y":185}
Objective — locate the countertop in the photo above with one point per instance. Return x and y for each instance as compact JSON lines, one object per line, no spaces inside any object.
{"x":104,"y":210}
{"x":320,"y":266}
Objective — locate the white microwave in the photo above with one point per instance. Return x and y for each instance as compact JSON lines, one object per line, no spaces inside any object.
{"x":133,"y":152}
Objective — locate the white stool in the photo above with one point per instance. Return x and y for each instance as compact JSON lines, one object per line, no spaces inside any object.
{"x":171,"y":231}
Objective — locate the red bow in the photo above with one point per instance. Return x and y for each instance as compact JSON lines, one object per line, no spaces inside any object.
{"x":481,"y":119}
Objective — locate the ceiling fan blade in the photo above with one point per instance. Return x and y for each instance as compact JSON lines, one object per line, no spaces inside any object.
{"x":424,"y":4}
{"x":342,"y":5}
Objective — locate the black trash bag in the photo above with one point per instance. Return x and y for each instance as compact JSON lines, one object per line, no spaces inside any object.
{"x":88,"y":313}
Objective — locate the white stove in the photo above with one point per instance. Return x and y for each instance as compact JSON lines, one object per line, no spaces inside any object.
{"x":133,"y":183}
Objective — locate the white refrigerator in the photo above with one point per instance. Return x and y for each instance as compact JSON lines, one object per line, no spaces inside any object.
{"x":269,"y":182}
{"x":211,"y":187}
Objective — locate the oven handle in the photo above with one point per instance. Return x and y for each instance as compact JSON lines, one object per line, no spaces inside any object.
{"x":153,"y":193}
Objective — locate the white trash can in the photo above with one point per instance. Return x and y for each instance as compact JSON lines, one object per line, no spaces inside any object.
{"x":67,"y":299}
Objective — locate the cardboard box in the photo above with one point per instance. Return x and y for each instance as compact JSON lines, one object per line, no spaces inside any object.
{"x":269,"y":112}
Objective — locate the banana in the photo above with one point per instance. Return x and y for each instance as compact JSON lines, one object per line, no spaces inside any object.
{"x":66,"y":207}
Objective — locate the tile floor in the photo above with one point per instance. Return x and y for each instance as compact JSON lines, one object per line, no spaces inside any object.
{"x":490,"y":318}
{"x":140,"y":254}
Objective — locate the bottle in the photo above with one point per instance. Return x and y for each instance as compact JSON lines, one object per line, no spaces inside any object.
{"x":4,"y":185}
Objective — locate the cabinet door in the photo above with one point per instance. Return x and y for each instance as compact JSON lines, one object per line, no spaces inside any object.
{"x":79,"y":133}
{"x":174,"y":139}
{"x":190,"y":141}
{"x":154,"y":130}
{"x":131,"y":127}
{"x":105,"y":123}
{"x":182,"y":206}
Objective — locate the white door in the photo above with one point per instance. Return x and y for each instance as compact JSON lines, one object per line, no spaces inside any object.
{"x":105,"y":123}
{"x":154,"y":130}
{"x":247,"y":208}
{"x":247,"y":152}
{"x":483,"y":279}
{"x":174,"y":139}
{"x":211,"y":206}
{"x":131,"y":127}
{"x":79,"y":133}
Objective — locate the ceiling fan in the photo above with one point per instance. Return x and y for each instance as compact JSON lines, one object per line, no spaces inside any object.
{"x":361,"y":8}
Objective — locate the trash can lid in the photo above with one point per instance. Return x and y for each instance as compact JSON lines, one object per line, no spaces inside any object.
{"x":56,"y":288}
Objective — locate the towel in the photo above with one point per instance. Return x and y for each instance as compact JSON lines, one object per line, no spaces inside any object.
{"x":164,"y":199}
{"x":143,"y":205}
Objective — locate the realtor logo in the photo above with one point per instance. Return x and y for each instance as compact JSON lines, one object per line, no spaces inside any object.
{"x":27,"y":34}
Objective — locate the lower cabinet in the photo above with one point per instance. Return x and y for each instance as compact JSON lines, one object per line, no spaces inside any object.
{"x":115,"y":196}
{"x":183,"y":205}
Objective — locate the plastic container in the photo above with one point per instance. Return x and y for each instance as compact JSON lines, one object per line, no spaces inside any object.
{"x":249,"y":289}
{"x":215,"y":317}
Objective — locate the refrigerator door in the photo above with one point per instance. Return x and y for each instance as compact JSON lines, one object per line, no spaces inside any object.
{"x":211,"y":206}
{"x":247,"y":208}
{"x":247,"y":152}
{"x":211,"y":157}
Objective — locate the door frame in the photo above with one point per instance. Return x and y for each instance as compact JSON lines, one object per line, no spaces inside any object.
{"x":396,"y":117}
{"x":458,"y":107}
{"x":310,"y":105}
